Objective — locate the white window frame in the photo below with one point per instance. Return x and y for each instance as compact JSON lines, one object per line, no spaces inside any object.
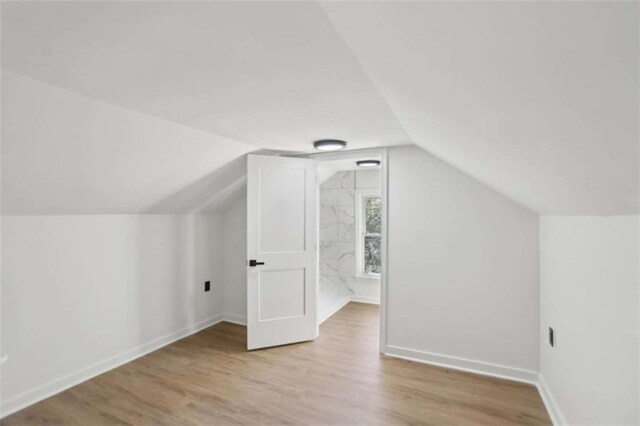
{"x":360,"y":195}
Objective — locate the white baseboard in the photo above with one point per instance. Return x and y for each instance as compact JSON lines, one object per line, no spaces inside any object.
{"x":365,"y":299}
{"x":333,"y":310}
{"x":25,"y":399}
{"x":33,"y":396}
{"x":235,"y":319}
{"x":343,"y":302}
{"x":550,"y":403}
{"x":486,"y":369}
{"x":478,"y":367}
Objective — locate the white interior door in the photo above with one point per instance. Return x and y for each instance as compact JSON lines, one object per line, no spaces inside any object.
{"x":281,"y":246}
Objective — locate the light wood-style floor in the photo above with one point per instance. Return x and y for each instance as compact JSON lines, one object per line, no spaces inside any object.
{"x":339,"y":379}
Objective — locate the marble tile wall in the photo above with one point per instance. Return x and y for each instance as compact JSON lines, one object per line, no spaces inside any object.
{"x":337,"y":237}
{"x":337,"y":234}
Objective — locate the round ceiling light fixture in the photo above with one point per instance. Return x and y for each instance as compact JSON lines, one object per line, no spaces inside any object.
{"x":329,"y":145}
{"x":368,"y":163}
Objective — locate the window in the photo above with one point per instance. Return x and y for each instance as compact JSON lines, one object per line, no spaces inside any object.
{"x":369,"y":242}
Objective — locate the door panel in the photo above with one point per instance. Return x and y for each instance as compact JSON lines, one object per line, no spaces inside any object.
{"x":282,"y":233}
{"x":282,"y":212}
{"x":274,"y":284}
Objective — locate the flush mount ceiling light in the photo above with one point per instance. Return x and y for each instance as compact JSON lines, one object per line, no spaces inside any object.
{"x":329,"y":145}
{"x":368,"y":163}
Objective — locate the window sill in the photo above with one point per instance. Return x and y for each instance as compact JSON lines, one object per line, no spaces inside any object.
{"x":368,"y":277}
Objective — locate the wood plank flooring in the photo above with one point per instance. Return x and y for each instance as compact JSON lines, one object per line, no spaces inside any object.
{"x":339,"y":379}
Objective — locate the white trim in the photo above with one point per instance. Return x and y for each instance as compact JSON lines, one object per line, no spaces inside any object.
{"x":382,"y":153}
{"x":485,"y":369}
{"x":47,"y":390}
{"x":549,"y":402}
{"x":343,"y":302}
{"x":352,"y":153}
{"x":365,"y":299}
{"x":359,"y":196}
{"x":374,"y":277}
{"x":384,"y":278}
{"x":235,"y":319}
{"x":334,"y":309}
{"x":478,"y":367}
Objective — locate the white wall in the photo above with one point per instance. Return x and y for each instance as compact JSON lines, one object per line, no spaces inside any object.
{"x":589,"y":295}
{"x":89,"y":279}
{"x":368,"y":179}
{"x":462,"y":270}
{"x":235,"y":261}
{"x":80,"y":290}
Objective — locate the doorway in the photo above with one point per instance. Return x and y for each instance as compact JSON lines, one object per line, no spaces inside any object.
{"x":352,"y":231}
{"x":284,"y":247}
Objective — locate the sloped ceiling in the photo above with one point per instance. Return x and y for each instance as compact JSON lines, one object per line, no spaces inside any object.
{"x":271,"y":74}
{"x":537,"y":100}
{"x":63,"y":153}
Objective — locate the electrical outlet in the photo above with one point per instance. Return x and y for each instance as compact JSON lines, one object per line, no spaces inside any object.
{"x":207,"y":285}
{"x":552,"y":337}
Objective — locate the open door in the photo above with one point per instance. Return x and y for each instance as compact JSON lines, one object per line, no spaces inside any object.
{"x":281,"y":246}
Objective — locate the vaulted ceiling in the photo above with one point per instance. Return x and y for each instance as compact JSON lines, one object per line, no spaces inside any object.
{"x":271,"y":74}
{"x":537,"y":100}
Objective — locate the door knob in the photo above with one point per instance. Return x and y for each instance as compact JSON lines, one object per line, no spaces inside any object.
{"x":254,"y":262}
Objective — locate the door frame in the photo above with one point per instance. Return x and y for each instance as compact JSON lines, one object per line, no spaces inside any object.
{"x":370,"y":152}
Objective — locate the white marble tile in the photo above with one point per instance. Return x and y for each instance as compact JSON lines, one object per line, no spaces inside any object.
{"x":346,"y":268}
{"x":346,"y":197}
{"x":346,"y":232}
{"x":336,"y":250}
{"x":347,"y":179}
{"x":329,"y":232}
{"x":329,"y":197}
{"x":327,"y":250}
{"x":347,"y":255}
{"x":328,"y":267}
{"x":327,"y":285}
{"x":345,"y":251}
{"x":330,"y":284}
{"x":333,"y":182}
{"x":345,"y":283}
{"x":336,"y":286}
{"x":328,"y":214}
{"x":337,"y":233}
{"x":346,"y":214}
